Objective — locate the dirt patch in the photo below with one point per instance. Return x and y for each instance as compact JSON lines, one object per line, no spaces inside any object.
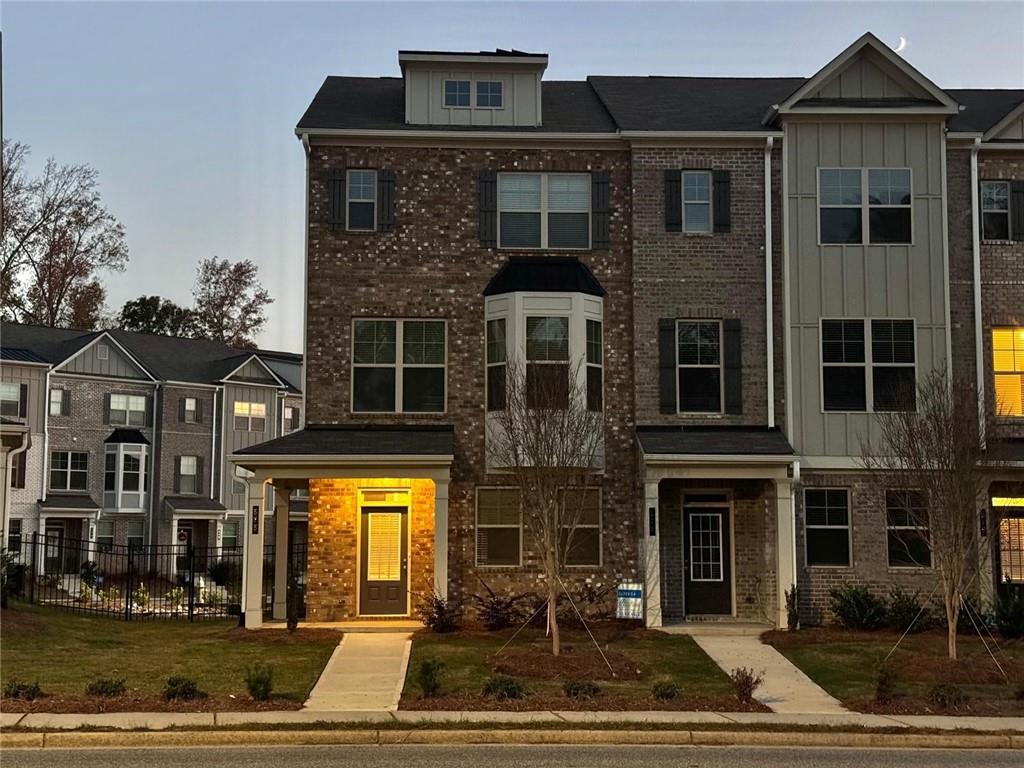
{"x":600,"y":703}
{"x":913,"y":705}
{"x":62,"y":704}
{"x":576,"y":662}
{"x":278,"y":637}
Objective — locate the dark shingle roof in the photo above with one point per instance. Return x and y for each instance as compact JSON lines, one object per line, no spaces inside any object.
{"x":193,"y":504}
{"x":361,"y":439}
{"x":129,"y":436}
{"x":18,"y":355}
{"x":69,"y":501}
{"x":559,"y":274}
{"x":984,"y":108}
{"x":759,"y":441}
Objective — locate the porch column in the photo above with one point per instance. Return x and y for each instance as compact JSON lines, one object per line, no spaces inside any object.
{"x":218,"y":537}
{"x":39,"y":556}
{"x":785,"y":549}
{"x":280,"y":610}
{"x":650,"y":555}
{"x":987,"y":544}
{"x":252,"y":557}
{"x":441,"y":537}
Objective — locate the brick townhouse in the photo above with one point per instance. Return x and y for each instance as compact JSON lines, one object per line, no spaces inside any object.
{"x":129,"y":437}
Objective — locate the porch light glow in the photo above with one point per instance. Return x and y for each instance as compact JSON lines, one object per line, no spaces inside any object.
{"x":1008,"y":501}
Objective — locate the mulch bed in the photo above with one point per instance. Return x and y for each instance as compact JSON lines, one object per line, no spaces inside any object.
{"x":913,"y":705}
{"x":76,"y":703}
{"x":600,"y":703}
{"x":574,"y":663}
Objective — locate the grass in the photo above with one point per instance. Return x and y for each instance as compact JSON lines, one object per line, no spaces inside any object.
{"x":65,"y":652}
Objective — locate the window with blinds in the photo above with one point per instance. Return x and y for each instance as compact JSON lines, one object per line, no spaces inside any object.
{"x":384,"y":546}
{"x":544,"y":210}
{"x":498,"y":527}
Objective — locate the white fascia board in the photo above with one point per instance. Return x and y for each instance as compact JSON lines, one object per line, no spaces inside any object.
{"x":16,"y":363}
{"x":455,"y":58}
{"x":1014,"y":114}
{"x":426,"y":133}
{"x":1003,"y":146}
{"x":853,"y":110}
{"x":701,"y":135}
{"x":248,"y":383}
{"x":112,"y":340}
{"x":675,"y":459}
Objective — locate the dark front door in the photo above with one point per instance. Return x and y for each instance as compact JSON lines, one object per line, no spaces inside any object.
{"x":54,"y":548}
{"x":707,"y":558}
{"x":383,"y":554}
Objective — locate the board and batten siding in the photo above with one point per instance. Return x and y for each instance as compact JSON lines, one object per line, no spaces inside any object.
{"x":854,"y":281}
{"x":116,"y":364}
{"x":235,"y":439}
{"x":425,"y":97}
{"x":34,"y":377}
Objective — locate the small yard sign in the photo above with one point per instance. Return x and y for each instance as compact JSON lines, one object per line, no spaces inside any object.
{"x":629,"y":602}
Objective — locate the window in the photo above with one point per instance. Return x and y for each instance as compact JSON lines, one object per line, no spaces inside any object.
{"x":188,"y":474}
{"x":696,"y":201}
{"x":58,"y":402}
{"x":229,"y":536}
{"x":893,"y":371}
{"x":497,"y":359}
{"x":102,"y":352}
{"x":10,"y":399}
{"x":544,"y":210}
{"x":843,"y":363}
{"x":69,"y":471}
{"x":1011,"y":549}
{"x":250,"y":417}
{"x":14,"y":536}
{"x":995,"y":210}
{"x":129,"y":410}
{"x":104,"y":535}
{"x":698,"y":357}
{"x":499,"y":527}
{"x":906,"y":525}
{"x":547,"y":362}
{"x":893,"y":377}
{"x":126,"y":476}
{"x":382,"y":379}
{"x":362,"y":201}
{"x":1008,"y":367}
{"x":827,"y":512}
{"x":291,"y":418}
{"x":136,"y":534}
{"x":595,"y":375}
{"x":190,"y":410}
{"x":18,"y":469}
{"x":456,"y":93}
{"x":581,"y":520}
{"x":488,"y":93}
{"x":843,"y":198}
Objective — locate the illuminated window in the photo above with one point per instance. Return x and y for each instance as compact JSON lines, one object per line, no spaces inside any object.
{"x":250,"y":417}
{"x":1011,"y":549}
{"x":1008,"y":368}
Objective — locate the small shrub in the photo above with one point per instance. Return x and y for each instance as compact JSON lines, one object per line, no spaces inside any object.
{"x":175,"y":597}
{"x":947,"y":696}
{"x":906,"y":611}
{"x":498,"y":611}
{"x":580,"y":689}
{"x":1009,"y":614}
{"x":106,"y":687}
{"x":856,"y":607}
{"x":179,"y":688}
{"x":212,"y":597}
{"x":15,"y":689}
{"x":664,"y":689}
{"x":428,"y":677}
{"x":793,"y":608}
{"x":744,"y":682}
{"x":89,"y":572}
{"x":503,"y":687}
{"x":886,"y":685}
{"x":110,"y":597}
{"x":140,"y":596}
{"x":259,"y":679}
{"x":223,"y":571}
{"x":438,"y":614}
{"x":85,"y":593}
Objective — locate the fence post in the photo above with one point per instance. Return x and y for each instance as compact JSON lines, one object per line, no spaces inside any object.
{"x":190,"y":554}
{"x":128,"y":589}
{"x":32,"y":568}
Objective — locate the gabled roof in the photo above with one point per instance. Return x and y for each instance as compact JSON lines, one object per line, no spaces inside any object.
{"x":548,"y":274}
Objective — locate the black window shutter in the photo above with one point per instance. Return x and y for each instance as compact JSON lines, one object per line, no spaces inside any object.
{"x":599,"y":237}
{"x":667,"y":400}
{"x":106,"y":408}
{"x":181,"y":409}
{"x":336,"y":199}
{"x":23,"y":401}
{"x":489,"y":208}
{"x":65,"y":402}
{"x":19,"y":470}
{"x":148,"y":419}
{"x":722,"y":200}
{"x":199,"y":474}
{"x":673,"y":203}
{"x":732,"y":364}
{"x":385,"y":200}
{"x":199,"y":411}
{"x":1017,"y":210}
{"x":177,"y":474}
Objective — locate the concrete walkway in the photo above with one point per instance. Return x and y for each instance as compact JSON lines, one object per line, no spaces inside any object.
{"x":365,"y":672}
{"x":785,"y":688}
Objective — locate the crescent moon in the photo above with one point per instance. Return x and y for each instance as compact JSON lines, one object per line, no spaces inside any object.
{"x":901,"y":44}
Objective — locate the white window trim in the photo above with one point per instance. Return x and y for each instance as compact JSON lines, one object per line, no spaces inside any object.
{"x":544,"y":212}
{"x":720,"y":367}
{"x":128,"y":410}
{"x":848,"y":526}
{"x":399,"y":365}
{"x":194,"y":411}
{"x":16,"y":388}
{"x":599,"y":526}
{"x":478,"y":526}
{"x":868,"y":364}
{"x":1005,"y":417}
{"x":59,"y":403}
{"x":918,"y":528}
{"x":865,"y":206}
{"x":721,"y":547}
{"x":248,"y":416}
{"x":349,"y":200}
{"x":710,"y":203}
{"x":102,"y":352}
{"x":67,"y":472}
{"x":194,"y":474}
{"x":599,"y":365}
{"x":569,"y":360}
{"x":489,"y":366}
{"x":120,"y":450}
{"x":984,"y":210}
{"x":475,"y":93}
{"x":444,"y":92}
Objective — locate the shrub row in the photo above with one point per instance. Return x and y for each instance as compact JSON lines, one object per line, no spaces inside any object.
{"x":258,"y":679}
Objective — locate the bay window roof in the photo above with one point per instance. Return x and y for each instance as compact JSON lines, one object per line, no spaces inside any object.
{"x":129,"y":436}
{"x":544,"y":274}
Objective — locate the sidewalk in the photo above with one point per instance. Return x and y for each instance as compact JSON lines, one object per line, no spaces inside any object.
{"x":365,"y":672}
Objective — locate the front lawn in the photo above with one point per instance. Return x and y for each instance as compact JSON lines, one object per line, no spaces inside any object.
{"x":638,"y":657}
{"x":64,"y":652}
{"x":846,"y":664}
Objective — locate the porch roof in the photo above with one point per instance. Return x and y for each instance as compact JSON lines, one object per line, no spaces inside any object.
{"x":183,"y":503}
{"x":320,"y":440}
{"x":712,"y":441}
{"x":68,"y":502}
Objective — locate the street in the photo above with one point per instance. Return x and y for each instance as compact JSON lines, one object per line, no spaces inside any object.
{"x":429,"y":756}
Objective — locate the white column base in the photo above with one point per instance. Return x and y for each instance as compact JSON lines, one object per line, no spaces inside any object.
{"x":785,"y":570}
{"x":441,"y":538}
{"x":650,"y":556}
{"x":252,"y":557}
{"x":280,"y":607}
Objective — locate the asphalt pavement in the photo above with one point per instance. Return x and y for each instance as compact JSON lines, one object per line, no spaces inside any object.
{"x":430,"y":756}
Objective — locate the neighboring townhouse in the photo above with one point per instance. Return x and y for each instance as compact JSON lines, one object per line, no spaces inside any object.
{"x":131,"y":436}
{"x":746,"y":271}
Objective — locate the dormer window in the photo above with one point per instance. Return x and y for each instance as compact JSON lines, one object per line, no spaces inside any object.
{"x":488,"y":93}
{"x":456,"y":93}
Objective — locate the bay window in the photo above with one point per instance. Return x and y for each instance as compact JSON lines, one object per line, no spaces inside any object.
{"x":126,"y":476}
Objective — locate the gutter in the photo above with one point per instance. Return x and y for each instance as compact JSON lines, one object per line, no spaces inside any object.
{"x":769,"y":299}
{"x":46,"y":438}
{"x":155,"y":475}
{"x":979,"y":353}
{"x":26,"y":440}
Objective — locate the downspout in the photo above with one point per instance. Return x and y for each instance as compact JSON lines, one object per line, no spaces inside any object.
{"x":46,"y":438}
{"x":26,"y":438}
{"x":155,"y":475}
{"x":979,"y":352}
{"x":768,"y":269}
{"x":213,"y":444}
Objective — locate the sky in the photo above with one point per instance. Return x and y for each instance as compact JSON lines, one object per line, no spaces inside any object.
{"x":188,"y":110}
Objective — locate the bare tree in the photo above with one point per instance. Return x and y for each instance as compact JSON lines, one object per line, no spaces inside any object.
{"x":551,"y":443}
{"x":935,"y":454}
{"x":230,"y":302}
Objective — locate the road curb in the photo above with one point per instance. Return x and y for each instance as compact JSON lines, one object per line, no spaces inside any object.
{"x":137,"y":739}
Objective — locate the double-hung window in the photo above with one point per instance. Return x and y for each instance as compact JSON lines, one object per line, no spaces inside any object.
{"x":893,"y":372}
{"x":229,"y":536}
{"x":10,"y":399}
{"x":129,"y":410}
{"x":361,"y":200}
{"x":843,"y":360}
{"x":250,"y":417}
{"x":889,"y":205}
{"x":696,"y":201}
{"x":857,"y":208}
{"x":893,"y":380}
{"x":827,"y":526}
{"x":581,"y":526}
{"x":58,"y":402}
{"x":497,"y":361}
{"x":995,"y":210}
{"x":544,"y":210}
{"x":386,"y":381}
{"x":547,"y":362}
{"x":699,"y":364}
{"x":188,"y":474}
{"x":488,"y":93}
{"x":136,"y":534}
{"x":291,"y":418}
{"x":69,"y":471}
{"x":456,"y":93}
{"x":14,"y":536}
{"x":499,"y":527}
{"x":104,"y":535}
{"x":595,"y":374}
{"x":1008,"y":370}
{"x":190,"y":410}
{"x":906,"y":526}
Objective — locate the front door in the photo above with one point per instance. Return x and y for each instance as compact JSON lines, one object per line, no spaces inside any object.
{"x":707,"y":558}
{"x":54,"y":543}
{"x":383,"y":554}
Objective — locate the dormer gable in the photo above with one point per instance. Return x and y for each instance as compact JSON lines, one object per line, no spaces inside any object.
{"x":486,"y":88}
{"x":252,"y":370}
{"x":104,"y":356}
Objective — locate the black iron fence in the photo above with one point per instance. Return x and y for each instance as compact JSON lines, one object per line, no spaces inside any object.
{"x":150,"y":581}
{"x":295,"y":581}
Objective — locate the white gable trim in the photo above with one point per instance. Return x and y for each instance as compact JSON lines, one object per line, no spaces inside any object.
{"x":266,"y":367}
{"x":1017,"y":113}
{"x":117,"y":344}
